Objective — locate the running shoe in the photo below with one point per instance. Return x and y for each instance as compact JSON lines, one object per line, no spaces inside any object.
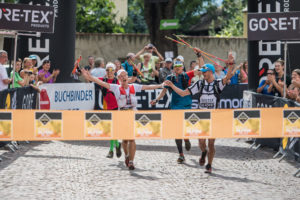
{"x":180,"y":160}
{"x":208,"y":169}
{"x":130,"y":165}
{"x":126,"y":161}
{"x":118,"y":151}
{"x":110,"y":154}
{"x":202,"y":158}
{"x":187,"y":145}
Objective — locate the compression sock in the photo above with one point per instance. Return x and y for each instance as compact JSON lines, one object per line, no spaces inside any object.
{"x":111,"y":148}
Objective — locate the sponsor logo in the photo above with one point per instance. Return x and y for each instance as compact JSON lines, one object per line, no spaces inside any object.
{"x":293,"y":117}
{"x":144,"y":120}
{"x":243,"y":118}
{"x":193,"y":119}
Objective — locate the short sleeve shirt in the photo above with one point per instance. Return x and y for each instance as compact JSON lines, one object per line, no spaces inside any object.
{"x":128,"y":68}
{"x":109,"y":100}
{"x":3,"y":76}
{"x":265,"y":89}
{"x":16,"y":79}
{"x":208,"y":99}
{"x":116,"y":90}
{"x":98,"y":72}
{"x":153,"y":59}
{"x":177,"y":101}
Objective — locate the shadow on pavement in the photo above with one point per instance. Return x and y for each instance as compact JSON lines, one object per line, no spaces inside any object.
{"x":222,"y":151}
{"x":9,"y":157}
{"x":55,"y":157}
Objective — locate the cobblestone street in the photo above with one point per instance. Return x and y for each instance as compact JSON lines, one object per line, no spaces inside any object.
{"x":80,"y":170}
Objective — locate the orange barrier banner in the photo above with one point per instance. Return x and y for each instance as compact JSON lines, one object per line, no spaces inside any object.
{"x":166,"y":124}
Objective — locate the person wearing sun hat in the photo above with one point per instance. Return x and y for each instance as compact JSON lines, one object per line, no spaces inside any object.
{"x":182,"y":80}
{"x":209,"y":91}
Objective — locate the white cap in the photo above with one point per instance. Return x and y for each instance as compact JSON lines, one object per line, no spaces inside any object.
{"x":168,"y":60}
{"x":120,"y":71}
{"x":180,"y":57}
{"x":110,"y":65}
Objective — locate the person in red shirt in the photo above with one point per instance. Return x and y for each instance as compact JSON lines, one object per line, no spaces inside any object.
{"x":109,"y":102}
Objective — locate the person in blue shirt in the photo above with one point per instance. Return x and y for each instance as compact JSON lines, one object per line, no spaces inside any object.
{"x":128,"y":64}
{"x":182,"y":80}
{"x":264,"y":86}
{"x":236,"y":75}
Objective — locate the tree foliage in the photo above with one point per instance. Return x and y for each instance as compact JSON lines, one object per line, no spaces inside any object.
{"x":96,"y":16}
{"x":135,"y":22}
{"x":233,"y":13}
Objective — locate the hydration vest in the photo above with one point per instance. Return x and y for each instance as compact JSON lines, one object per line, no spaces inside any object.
{"x":123,"y":100}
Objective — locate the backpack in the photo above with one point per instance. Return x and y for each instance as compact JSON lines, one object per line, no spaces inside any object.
{"x":216,"y":89}
{"x":184,"y":81}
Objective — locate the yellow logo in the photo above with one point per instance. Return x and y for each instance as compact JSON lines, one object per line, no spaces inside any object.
{"x":7,"y":102}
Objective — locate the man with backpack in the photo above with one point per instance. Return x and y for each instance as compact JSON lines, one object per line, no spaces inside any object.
{"x":181,"y":79}
{"x":209,"y":90}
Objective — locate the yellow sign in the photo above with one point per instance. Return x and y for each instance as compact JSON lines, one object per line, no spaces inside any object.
{"x":147,"y":125}
{"x":197,"y":124}
{"x":6,"y":126}
{"x":98,"y":125}
{"x":246,"y":123}
{"x":48,"y":125}
{"x":291,"y":123}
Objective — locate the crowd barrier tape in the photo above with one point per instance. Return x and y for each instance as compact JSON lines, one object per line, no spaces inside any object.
{"x":164,"y":124}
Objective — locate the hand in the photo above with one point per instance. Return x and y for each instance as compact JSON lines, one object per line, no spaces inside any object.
{"x":85,"y":74}
{"x":230,"y":58}
{"x":267,"y":82}
{"x":153,"y":102}
{"x":168,"y":83}
{"x":292,"y":94}
{"x":154,"y":49}
{"x":196,"y":50}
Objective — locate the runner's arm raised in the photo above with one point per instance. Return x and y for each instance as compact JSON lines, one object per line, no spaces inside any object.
{"x":89,"y":77}
{"x":152,"y":87}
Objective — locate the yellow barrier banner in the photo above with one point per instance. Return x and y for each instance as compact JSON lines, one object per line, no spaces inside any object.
{"x":165,"y":124}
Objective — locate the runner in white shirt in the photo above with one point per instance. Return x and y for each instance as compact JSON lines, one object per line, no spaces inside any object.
{"x":125,"y":95}
{"x":210,"y":90}
{"x":4,"y":80}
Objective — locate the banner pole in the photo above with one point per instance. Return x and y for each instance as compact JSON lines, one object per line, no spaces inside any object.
{"x":15,"y":58}
{"x":285,"y":68}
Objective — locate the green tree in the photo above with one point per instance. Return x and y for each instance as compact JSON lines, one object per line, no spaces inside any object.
{"x":233,"y":13}
{"x":135,"y":22}
{"x":96,"y":16}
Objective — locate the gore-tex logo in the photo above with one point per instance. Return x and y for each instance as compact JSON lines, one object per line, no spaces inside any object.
{"x":33,"y":16}
{"x":281,"y":23}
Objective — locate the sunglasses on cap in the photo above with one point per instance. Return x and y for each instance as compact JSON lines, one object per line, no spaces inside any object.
{"x":178,"y":64}
{"x":110,"y":69}
{"x":270,"y":73}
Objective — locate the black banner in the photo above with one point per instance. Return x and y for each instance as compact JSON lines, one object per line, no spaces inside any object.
{"x":256,"y":100}
{"x":263,"y":54}
{"x":231,"y":97}
{"x":58,"y":47}
{"x":274,"y":26}
{"x":22,"y":17}
{"x":18,"y":98}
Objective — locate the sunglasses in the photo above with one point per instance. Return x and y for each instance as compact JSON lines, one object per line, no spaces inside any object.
{"x":110,"y":70}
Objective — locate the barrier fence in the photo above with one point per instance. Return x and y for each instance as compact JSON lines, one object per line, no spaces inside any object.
{"x":164,"y":124}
